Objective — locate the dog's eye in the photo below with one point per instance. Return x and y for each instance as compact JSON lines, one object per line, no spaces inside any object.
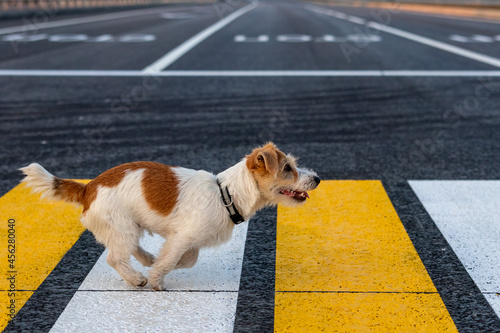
{"x":287,"y":168}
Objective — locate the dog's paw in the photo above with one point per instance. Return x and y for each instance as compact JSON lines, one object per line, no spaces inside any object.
{"x":143,"y":282}
{"x":137,"y":281}
{"x":156,"y":281}
{"x":158,"y":287}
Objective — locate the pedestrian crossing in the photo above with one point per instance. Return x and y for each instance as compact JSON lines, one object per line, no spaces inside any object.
{"x":202,"y":298}
{"x":43,"y":232}
{"x":468,"y":215}
{"x":344,"y":262}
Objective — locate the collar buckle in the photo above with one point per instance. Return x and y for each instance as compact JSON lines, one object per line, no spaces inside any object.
{"x":227,"y":201}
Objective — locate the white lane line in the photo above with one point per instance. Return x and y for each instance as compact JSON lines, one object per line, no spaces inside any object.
{"x":186,"y":46}
{"x":356,"y":20}
{"x":270,"y":73}
{"x":178,"y":16}
{"x":468,"y":215}
{"x":29,"y":28}
{"x":419,"y":39}
{"x":438,"y":45}
{"x":200,"y":299}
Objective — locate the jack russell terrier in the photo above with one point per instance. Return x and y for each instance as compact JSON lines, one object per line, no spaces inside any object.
{"x":191,"y":209}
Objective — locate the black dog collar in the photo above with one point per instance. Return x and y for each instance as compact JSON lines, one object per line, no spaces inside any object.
{"x":227,"y":201}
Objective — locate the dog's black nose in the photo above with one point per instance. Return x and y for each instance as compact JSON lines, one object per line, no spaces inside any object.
{"x":316,"y":179}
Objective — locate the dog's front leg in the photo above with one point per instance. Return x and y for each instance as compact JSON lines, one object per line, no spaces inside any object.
{"x":170,"y":254}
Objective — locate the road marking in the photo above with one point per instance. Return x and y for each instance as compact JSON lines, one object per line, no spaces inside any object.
{"x":483,"y":39}
{"x":29,"y":28}
{"x":65,"y":38}
{"x":357,"y":20}
{"x":475,"y":39}
{"x":133,"y":311}
{"x":178,"y":16}
{"x":245,"y":39}
{"x":459,"y":38}
{"x":186,"y":46}
{"x":419,"y":39}
{"x":44,"y":232}
{"x":468,"y":215}
{"x":345,"y":262}
{"x":290,"y":38}
{"x":199,"y":299}
{"x":294,"y":38}
{"x":305,"y":73}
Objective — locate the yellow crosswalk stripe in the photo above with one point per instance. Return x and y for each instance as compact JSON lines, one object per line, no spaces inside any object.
{"x":344,"y":263}
{"x":35,"y":234}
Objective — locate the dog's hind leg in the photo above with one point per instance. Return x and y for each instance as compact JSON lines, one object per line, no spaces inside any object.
{"x":170,"y":255}
{"x":144,"y":257}
{"x":120,"y":261}
{"x":188,"y":259}
{"x":121,"y":245}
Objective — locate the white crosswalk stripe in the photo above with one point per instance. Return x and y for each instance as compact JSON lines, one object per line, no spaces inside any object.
{"x":468,"y":215}
{"x":200,"y":299}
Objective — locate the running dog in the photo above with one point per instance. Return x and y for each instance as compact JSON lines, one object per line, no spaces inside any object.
{"x":191,"y":209}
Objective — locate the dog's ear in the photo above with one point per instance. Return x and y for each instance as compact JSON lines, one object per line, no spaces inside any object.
{"x":265,"y":158}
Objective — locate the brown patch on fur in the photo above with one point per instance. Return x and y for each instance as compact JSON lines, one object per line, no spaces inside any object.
{"x":262,"y":164}
{"x":266,"y":160}
{"x":160,"y":187}
{"x":159,"y":184}
{"x":267,"y":166}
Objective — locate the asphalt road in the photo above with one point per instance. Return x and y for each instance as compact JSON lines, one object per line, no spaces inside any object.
{"x":371,"y":123}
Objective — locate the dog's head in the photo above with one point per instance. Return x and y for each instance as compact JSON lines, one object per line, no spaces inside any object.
{"x":278,"y":177}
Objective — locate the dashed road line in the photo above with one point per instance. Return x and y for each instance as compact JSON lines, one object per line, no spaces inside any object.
{"x":29,"y":28}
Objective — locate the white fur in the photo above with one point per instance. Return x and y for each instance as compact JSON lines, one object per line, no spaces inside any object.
{"x":120,"y":215}
{"x":306,"y":179}
{"x":39,"y":179}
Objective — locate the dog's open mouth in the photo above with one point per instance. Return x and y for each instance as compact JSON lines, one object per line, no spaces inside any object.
{"x":297,"y":195}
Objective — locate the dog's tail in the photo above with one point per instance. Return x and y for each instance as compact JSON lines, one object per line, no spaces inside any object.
{"x":42,"y":181}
